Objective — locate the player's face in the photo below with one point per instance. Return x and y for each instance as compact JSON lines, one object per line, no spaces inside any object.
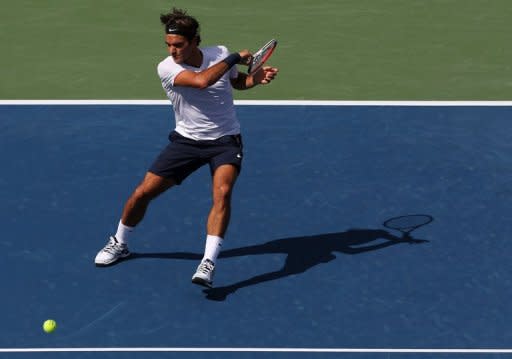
{"x":180,"y":48}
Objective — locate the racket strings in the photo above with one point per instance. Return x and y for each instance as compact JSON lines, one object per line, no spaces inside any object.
{"x":408,"y":222}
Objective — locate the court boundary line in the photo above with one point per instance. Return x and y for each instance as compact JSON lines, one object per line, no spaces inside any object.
{"x":90,"y":102}
{"x":258,"y":350}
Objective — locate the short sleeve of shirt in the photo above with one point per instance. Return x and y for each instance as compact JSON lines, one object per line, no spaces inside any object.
{"x":168,"y":70}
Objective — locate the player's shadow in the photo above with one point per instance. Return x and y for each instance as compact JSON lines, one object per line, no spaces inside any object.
{"x":302,"y":253}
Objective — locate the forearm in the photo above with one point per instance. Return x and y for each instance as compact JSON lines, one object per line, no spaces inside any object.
{"x":208,"y":77}
{"x":213,"y":74}
{"x":243,"y":82}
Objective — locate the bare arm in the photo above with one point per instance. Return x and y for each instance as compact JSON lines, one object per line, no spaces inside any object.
{"x":208,"y":77}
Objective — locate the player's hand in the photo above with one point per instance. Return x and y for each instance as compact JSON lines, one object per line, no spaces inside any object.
{"x":246,"y":57}
{"x":265,"y":75}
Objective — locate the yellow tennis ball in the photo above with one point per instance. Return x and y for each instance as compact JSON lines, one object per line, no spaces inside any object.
{"x":49,"y":326}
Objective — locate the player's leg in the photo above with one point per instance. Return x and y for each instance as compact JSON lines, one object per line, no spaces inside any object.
{"x":225,"y":158}
{"x":151,"y":186}
{"x":136,"y":206}
{"x":174,"y":163}
{"x":225,"y":165}
{"x":224,"y":180}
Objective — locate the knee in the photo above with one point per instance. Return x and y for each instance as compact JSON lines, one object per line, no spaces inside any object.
{"x":151,"y":187}
{"x":222,"y":194}
{"x":141,"y":194}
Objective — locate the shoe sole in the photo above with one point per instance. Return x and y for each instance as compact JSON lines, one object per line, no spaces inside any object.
{"x":202,"y":282}
{"x":112,"y":262}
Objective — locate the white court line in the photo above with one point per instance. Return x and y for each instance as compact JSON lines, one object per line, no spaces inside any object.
{"x":262,"y":103}
{"x":260,"y":350}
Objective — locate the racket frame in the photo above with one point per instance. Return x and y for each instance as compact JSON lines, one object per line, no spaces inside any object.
{"x":261,"y":56}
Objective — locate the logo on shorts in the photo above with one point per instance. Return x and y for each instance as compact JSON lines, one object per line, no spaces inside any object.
{"x":239,"y":155}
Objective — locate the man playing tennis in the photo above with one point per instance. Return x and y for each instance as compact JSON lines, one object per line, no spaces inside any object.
{"x":198,"y":82}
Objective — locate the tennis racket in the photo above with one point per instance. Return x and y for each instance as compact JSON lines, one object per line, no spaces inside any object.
{"x":261,"y":56}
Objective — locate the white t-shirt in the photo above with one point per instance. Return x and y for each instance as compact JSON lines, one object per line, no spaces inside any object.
{"x":205,"y":114}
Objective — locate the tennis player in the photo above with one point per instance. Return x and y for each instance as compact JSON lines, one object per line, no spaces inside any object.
{"x":198,"y":82}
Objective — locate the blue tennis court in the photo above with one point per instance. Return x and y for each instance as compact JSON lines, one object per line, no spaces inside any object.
{"x":307,"y":262}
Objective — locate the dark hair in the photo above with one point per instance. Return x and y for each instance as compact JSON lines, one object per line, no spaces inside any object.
{"x":178,"y":22}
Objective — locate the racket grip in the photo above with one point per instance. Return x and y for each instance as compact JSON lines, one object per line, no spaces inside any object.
{"x":248,"y":61}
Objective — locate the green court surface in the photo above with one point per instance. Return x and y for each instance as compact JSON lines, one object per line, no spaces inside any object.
{"x":329,"y":49}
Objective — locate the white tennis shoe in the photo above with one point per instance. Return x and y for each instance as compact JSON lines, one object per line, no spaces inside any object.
{"x":204,"y":273}
{"x":111,"y":253}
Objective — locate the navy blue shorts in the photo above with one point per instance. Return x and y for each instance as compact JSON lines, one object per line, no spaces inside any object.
{"x":182,"y":156}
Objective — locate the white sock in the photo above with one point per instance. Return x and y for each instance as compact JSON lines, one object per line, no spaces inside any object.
{"x":213,"y":247}
{"x":123,"y":232}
